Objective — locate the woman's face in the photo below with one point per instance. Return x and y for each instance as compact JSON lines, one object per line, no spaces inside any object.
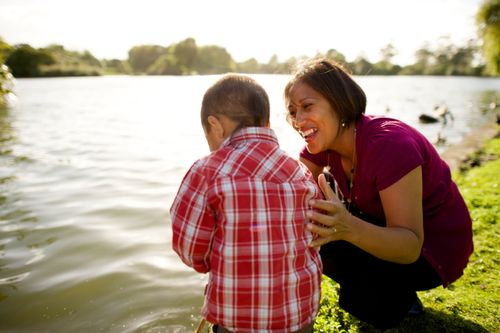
{"x":313,"y":117}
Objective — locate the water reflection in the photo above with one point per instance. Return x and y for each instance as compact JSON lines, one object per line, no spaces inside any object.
{"x":7,"y":281}
{"x":17,"y":222}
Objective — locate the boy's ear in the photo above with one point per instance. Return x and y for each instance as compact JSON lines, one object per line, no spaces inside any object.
{"x":215,"y":126}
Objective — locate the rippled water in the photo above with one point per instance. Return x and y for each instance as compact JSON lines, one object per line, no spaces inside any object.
{"x":89,"y":168}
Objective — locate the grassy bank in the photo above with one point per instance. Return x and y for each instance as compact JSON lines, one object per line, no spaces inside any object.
{"x":471,"y":304}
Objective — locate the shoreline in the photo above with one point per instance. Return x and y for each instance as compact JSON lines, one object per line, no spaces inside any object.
{"x":455,"y":155}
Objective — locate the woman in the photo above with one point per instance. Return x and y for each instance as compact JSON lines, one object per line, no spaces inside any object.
{"x":393,"y":221}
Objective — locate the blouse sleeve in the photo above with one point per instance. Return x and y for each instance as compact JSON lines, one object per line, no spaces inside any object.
{"x":192,"y":221}
{"x":390,"y":155}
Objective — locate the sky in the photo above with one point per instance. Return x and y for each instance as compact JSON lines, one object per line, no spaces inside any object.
{"x":245,"y":28}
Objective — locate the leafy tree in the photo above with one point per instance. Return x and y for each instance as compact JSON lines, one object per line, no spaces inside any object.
{"x":249,"y":66}
{"x":69,"y":63}
{"x":67,"y":58}
{"x":424,"y":58}
{"x":5,"y":50}
{"x":447,"y":59}
{"x":488,"y":21}
{"x":361,"y":66}
{"x":166,"y":64}
{"x":388,"y":52}
{"x":335,"y":56}
{"x":88,"y":58}
{"x":143,"y":56}
{"x":273,"y":66}
{"x":461,"y":60}
{"x":214,"y":59}
{"x":6,"y":83}
{"x":450,"y":59}
{"x":6,"y":79}
{"x":385,"y":66}
{"x":25,"y":61}
{"x":382,"y":67}
{"x":185,"y":52}
{"x":117,"y":66}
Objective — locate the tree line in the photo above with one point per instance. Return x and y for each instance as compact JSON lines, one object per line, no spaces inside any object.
{"x":479,"y":57}
{"x":186,"y":58}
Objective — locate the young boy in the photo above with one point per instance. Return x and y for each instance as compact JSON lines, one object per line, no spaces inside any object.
{"x":240,"y":214}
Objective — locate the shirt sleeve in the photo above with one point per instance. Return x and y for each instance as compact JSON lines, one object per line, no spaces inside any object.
{"x":391,"y":155}
{"x":192,"y":221}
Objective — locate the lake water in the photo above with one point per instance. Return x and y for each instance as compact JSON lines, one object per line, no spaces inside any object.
{"x":89,"y":168}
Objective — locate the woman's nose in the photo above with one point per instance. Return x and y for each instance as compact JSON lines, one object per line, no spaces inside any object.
{"x":299,"y":118}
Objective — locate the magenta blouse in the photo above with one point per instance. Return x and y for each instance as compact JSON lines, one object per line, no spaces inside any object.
{"x":387,"y":149}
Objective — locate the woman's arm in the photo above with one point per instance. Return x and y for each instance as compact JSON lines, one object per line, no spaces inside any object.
{"x":400,"y":241}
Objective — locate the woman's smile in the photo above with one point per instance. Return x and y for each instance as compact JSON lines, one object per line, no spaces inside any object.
{"x":308,"y":134}
{"x":312,"y":117}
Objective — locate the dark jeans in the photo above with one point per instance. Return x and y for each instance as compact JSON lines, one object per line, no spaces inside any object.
{"x":374,"y":290}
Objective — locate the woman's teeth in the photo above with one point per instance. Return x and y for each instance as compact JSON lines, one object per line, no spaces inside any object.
{"x":308,"y":132}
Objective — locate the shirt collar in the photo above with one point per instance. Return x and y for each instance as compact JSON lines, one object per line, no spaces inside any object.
{"x":250,"y":134}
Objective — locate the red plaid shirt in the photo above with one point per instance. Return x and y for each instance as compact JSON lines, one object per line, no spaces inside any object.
{"x":240,"y":215}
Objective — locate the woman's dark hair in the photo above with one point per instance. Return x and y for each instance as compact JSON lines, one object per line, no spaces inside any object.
{"x":238,"y":97}
{"x":334,"y":83}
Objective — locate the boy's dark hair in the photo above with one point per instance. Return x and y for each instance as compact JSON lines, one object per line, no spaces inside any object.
{"x":238,"y":97}
{"x":333,"y":82}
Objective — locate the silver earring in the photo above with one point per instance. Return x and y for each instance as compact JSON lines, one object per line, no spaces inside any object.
{"x":343,"y":124}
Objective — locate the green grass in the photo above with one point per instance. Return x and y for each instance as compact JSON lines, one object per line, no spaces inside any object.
{"x":472,"y":303}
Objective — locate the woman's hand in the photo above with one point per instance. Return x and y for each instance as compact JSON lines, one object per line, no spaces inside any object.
{"x":399,"y":241}
{"x":335,"y":224}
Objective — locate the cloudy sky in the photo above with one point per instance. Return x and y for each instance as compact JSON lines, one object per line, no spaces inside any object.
{"x":246,"y":28}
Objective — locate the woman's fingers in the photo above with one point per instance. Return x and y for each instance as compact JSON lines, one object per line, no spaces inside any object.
{"x":318,"y":242}
{"x":327,"y":190}
{"x":324,"y":234}
{"x":322,"y":219}
{"x":321,"y":230}
{"x":330,"y":206}
{"x":325,"y":187}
